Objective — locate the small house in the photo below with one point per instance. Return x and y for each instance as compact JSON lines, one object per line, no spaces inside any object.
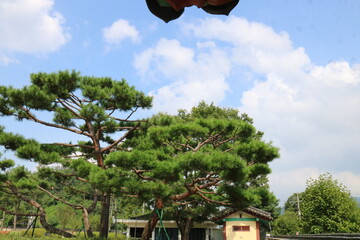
{"x":246,"y":224}
{"x":231,"y":225}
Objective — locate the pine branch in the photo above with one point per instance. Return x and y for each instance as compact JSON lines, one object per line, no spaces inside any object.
{"x":224,"y":141}
{"x":139,"y":174}
{"x":127,"y":118}
{"x":60,"y":199}
{"x":209,"y":184}
{"x":224,"y":203}
{"x":70,"y":145}
{"x":208,"y":140}
{"x":119,"y":140}
{"x":35,"y":119}
{"x":204,"y":192}
{"x":175,"y":147}
{"x":18,"y":213}
{"x":71,"y":175}
{"x":71,"y":108}
{"x":75,"y":99}
{"x":75,"y":189}
{"x":94,"y":202}
{"x":17,"y":194}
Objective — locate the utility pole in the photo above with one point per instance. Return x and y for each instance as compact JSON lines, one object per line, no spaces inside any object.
{"x":298,"y":205}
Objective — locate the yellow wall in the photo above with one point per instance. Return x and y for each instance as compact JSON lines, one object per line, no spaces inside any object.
{"x":240,"y":235}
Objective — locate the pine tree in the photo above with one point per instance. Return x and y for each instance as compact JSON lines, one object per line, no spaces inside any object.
{"x":95,"y":108}
{"x":212,"y":153}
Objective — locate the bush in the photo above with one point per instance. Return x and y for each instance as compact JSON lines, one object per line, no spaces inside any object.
{"x":63,"y":216}
{"x":286,"y":224}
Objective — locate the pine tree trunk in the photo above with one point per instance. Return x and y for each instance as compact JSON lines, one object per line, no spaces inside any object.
{"x":185,"y":236}
{"x":185,"y":227}
{"x":105,"y":215}
{"x":149,"y":227}
{"x":87,"y":225}
{"x":151,"y":224}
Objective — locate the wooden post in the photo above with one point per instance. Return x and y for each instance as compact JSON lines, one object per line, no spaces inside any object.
{"x":115,"y":210}
{"x":258,"y":230}
{"x":3,"y":221}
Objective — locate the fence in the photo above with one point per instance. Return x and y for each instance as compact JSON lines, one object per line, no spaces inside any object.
{"x":317,"y":236}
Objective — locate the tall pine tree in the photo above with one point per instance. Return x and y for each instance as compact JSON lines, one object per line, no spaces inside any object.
{"x":212,"y":153}
{"x":95,"y":108}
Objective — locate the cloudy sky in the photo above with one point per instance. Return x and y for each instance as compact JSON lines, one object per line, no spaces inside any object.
{"x":293,"y":66}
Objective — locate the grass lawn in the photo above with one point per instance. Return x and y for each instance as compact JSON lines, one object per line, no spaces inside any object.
{"x":40,"y":234}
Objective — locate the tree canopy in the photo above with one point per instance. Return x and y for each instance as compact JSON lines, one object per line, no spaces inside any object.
{"x":201,"y":159}
{"x":327,"y":207}
{"x":287,"y":224}
{"x":210,"y":152}
{"x":98,"y":109}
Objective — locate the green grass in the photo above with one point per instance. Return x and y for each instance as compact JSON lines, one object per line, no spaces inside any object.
{"x":40,"y":234}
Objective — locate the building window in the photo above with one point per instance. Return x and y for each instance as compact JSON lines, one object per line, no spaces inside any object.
{"x":136,"y":232}
{"x":241,"y":228}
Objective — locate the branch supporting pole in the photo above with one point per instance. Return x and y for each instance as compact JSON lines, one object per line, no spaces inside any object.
{"x":160,"y":213}
{"x":33,"y":224}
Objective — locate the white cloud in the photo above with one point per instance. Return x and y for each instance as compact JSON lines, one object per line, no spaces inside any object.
{"x":310,"y":111}
{"x":316,"y":117}
{"x":285,"y":183}
{"x":5,"y":60}
{"x":119,"y":31}
{"x":31,"y":26}
{"x":350,"y":181}
{"x":253,"y":44}
{"x":239,"y":31}
{"x":195,"y":74}
{"x":337,"y":74}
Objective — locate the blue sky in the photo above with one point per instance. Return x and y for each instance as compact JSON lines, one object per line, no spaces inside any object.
{"x":293,"y":66}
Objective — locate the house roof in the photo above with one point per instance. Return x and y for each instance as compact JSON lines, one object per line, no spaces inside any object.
{"x":147,"y":216}
{"x":249,"y":210}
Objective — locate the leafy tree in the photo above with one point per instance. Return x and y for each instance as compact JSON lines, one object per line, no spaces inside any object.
{"x":98,"y":109}
{"x":287,"y":224}
{"x":327,"y":207}
{"x":212,"y":153}
{"x":63,"y":216}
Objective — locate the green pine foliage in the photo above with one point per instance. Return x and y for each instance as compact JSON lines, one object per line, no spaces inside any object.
{"x":210,"y":156}
{"x":98,"y":109}
{"x":210,"y":152}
